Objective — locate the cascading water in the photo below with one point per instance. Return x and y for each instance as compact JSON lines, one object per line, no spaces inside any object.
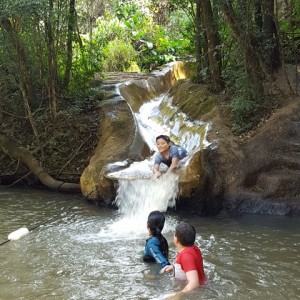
{"x":136,"y":199}
{"x":138,"y":194}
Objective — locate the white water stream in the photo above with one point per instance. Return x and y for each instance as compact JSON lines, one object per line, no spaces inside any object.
{"x":137,"y":193}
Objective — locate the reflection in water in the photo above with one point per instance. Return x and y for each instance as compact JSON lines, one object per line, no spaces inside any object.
{"x":81,"y":255}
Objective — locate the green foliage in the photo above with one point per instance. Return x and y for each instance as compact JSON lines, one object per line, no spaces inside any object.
{"x":244,"y":107}
{"x":120,"y":56}
{"x":107,"y":30}
{"x":243,"y":113}
{"x":290,"y":31}
{"x":125,"y":9}
{"x":30,"y":8}
{"x":155,"y":44}
{"x":181,"y":28}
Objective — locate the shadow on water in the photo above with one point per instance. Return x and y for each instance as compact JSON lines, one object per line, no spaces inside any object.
{"x":95,"y":253}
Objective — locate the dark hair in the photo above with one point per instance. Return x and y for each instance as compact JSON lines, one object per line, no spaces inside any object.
{"x":186,"y":234}
{"x":164,"y":137}
{"x":156,"y":222}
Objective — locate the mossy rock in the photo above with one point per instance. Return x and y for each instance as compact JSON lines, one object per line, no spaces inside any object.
{"x":193,"y":99}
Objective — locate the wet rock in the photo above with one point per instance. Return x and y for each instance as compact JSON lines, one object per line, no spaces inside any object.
{"x":119,"y":137}
{"x":257,"y":173}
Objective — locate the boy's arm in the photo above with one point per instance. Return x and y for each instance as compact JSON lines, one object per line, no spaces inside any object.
{"x":167,"y":268}
{"x":174,"y":165}
{"x":193,"y":281}
{"x":156,"y":172}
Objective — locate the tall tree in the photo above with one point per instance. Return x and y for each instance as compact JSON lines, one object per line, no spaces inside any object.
{"x":70,"y":39}
{"x":269,"y":34}
{"x":253,"y":63}
{"x":213,"y":43}
{"x":23,"y":74}
{"x":52,"y":64}
{"x":200,"y":54}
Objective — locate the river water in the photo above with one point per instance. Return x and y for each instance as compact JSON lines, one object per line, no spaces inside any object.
{"x":94,"y":252}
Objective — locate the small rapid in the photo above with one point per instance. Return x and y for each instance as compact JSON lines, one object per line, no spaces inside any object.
{"x":137,"y":192}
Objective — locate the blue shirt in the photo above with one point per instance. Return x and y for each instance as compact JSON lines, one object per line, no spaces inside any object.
{"x":152,"y":251}
{"x":175,"y":151}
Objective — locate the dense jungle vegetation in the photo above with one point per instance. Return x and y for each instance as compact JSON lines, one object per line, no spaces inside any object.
{"x":51,"y":49}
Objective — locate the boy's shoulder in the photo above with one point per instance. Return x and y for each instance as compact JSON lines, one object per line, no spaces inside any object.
{"x":194,"y":250}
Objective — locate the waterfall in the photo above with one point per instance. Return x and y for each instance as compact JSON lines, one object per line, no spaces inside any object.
{"x":137,"y":198}
{"x":137,"y":193}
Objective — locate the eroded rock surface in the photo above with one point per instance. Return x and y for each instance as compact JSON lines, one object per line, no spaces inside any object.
{"x":260,"y":174}
{"x":119,"y":137}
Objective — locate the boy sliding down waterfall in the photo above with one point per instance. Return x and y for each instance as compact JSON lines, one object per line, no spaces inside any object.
{"x":169,"y":154}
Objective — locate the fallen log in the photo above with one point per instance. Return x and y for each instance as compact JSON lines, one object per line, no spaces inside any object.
{"x":25,"y":156}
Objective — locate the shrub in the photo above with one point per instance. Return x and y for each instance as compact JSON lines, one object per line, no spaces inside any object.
{"x":120,"y":56}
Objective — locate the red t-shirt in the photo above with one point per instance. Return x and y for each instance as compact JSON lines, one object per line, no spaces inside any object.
{"x":189,"y":259}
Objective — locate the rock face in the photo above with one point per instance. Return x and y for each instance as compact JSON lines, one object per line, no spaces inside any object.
{"x":260,"y":174}
{"x":117,"y":134}
{"x":272,"y":165}
{"x":119,"y":138}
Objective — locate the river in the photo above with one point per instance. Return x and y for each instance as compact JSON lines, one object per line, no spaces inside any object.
{"x":85,"y":251}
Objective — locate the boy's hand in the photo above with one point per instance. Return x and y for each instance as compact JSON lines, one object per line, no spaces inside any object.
{"x":166,"y":269}
{"x":156,"y":175}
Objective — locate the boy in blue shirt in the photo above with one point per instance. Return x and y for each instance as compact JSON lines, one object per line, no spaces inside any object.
{"x":169,"y":154}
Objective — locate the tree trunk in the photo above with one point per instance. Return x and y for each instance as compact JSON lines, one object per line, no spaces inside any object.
{"x":198,"y":28}
{"x":71,"y":32}
{"x":270,"y":36}
{"x":26,"y":84}
{"x":214,"y":58}
{"x":12,"y":149}
{"x":52,"y":65}
{"x":253,"y":63}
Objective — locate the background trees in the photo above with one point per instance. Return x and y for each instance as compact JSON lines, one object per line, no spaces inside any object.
{"x":50,"y":50}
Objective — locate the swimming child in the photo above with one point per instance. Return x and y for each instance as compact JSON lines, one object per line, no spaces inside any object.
{"x":189,"y":262}
{"x":169,"y":154}
{"x":156,"y":249}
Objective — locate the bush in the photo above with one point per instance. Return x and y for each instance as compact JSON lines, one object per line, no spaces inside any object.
{"x":244,"y":114}
{"x":120,"y":56}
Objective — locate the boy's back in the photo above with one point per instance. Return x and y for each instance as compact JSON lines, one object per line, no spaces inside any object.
{"x":190,"y":258}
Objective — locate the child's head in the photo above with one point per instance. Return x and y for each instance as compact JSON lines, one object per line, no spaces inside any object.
{"x":185,"y":234}
{"x":156,"y":222}
{"x":163,"y":137}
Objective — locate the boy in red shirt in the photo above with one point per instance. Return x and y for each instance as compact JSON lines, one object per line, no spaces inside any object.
{"x":189,"y":262}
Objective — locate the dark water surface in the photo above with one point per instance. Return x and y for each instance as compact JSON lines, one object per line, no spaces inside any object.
{"x":91,"y":252}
